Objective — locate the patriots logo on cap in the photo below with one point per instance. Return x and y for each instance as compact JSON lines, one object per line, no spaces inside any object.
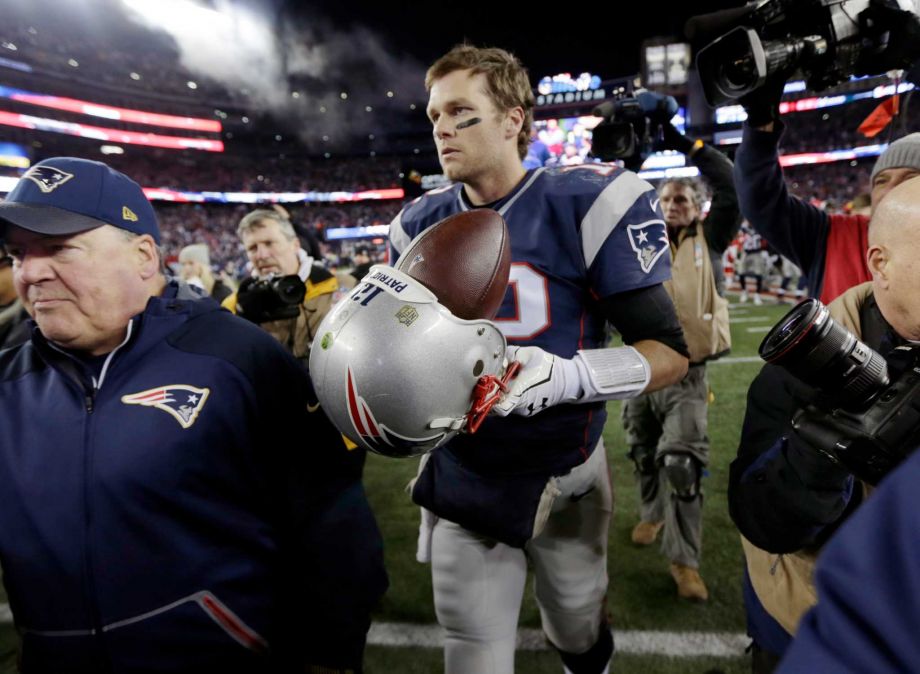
{"x":375,"y":435}
{"x":649,"y":240}
{"x":47,"y":177}
{"x":182,"y":401}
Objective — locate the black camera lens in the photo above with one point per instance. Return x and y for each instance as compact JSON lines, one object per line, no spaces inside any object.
{"x":290,"y":289}
{"x":820,"y":352}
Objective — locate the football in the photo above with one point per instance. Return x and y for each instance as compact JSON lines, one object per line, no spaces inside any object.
{"x":464,"y":260}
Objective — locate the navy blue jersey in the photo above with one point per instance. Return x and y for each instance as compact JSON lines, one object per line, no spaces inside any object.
{"x":578,"y":234}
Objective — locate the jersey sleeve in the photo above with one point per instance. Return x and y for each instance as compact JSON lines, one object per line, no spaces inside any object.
{"x":624,"y":237}
{"x":399,"y":239}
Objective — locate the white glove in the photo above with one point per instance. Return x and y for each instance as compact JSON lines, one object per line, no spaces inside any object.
{"x":543,"y":381}
{"x":592,"y":375}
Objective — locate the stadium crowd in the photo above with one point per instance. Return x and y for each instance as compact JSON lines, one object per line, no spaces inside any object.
{"x":769,"y":233}
{"x":46,"y":42}
{"x":215,"y":225}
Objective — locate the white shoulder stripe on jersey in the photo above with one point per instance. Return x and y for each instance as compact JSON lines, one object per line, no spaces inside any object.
{"x":398,"y":237}
{"x":530,"y":181}
{"x":607,"y":211}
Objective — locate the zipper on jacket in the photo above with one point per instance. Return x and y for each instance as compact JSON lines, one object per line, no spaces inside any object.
{"x":90,"y":394}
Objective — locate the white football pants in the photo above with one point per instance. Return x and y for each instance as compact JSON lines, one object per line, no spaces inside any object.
{"x":479,"y":583}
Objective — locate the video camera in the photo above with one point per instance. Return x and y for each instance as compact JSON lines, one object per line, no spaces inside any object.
{"x":829,"y":40}
{"x":270,"y":299}
{"x":631,"y":129}
{"x":866,"y":416}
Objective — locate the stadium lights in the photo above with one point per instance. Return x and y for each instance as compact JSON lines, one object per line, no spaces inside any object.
{"x":173,"y":13}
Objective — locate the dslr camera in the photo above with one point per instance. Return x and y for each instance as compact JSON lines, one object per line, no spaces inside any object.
{"x":828,"y":40}
{"x":866,"y":416}
{"x":631,"y":129}
{"x":270,"y":299}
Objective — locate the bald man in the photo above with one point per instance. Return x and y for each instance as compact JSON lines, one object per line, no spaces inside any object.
{"x":785,"y":497}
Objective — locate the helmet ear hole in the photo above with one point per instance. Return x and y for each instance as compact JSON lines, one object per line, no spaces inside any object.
{"x":478,"y":368}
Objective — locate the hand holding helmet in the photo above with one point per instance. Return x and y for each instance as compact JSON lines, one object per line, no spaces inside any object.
{"x":592,"y":375}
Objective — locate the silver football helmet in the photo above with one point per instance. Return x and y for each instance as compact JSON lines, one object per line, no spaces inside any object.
{"x":395,"y":371}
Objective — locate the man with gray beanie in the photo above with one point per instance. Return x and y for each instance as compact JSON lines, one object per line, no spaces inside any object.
{"x":829,"y":249}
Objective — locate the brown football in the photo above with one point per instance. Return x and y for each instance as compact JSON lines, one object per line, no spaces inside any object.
{"x":464,"y":260}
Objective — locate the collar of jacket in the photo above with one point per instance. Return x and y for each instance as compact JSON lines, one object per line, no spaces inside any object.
{"x":163,"y":314}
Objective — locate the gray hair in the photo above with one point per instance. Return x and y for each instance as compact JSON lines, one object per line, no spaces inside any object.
{"x":695,"y":187}
{"x":258,"y":218}
{"x":161,"y":252}
{"x":196,"y":252}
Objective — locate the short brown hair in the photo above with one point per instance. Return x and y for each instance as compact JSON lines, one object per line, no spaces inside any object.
{"x":507,"y":82}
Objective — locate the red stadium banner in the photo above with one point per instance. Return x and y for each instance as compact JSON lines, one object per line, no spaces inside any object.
{"x":109,"y":135}
{"x":116,"y":114}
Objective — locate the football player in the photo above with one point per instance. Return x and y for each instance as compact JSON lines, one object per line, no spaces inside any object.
{"x":588,"y":245}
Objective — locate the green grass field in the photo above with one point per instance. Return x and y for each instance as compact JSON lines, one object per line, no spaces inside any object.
{"x":641,"y":596}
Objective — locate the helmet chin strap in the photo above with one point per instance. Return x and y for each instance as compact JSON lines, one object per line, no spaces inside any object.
{"x":487,"y":392}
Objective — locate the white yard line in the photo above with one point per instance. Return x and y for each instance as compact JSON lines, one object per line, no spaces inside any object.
{"x":735,"y":360}
{"x":749,"y":319}
{"x":761,"y":328}
{"x":641,"y":642}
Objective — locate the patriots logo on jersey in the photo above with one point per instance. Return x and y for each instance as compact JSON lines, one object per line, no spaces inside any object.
{"x":649,"y":240}
{"x":47,"y":177}
{"x":181,"y":401}
{"x":375,"y":435}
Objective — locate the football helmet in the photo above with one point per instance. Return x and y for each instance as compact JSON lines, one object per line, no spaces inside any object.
{"x":395,"y":371}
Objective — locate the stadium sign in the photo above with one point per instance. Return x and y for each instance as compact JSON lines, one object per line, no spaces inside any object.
{"x":563,"y":88}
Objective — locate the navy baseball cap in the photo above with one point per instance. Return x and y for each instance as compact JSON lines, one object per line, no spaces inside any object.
{"x":66,"y":195}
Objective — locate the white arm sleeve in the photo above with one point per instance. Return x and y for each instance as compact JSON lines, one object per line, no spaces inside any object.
{"x":611,"y":374}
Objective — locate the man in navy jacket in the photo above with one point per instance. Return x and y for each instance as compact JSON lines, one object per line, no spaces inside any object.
{"x":170,"y":504}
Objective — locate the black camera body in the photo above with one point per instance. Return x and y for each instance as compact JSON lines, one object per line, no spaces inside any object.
{"x":872,"y":442}
{"x":270,"y":299}
{"x":631,"y":128}
{"x":866,"y":416}
{"x":828,"y":40}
